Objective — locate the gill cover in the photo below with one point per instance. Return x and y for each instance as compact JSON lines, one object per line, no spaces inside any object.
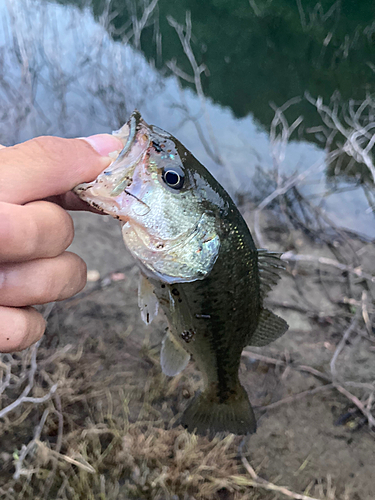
{"x":188,"y":258}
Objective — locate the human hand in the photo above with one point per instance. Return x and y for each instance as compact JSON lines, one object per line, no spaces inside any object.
{"x":34,"y":233}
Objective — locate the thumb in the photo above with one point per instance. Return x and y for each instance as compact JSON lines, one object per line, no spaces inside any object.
{"x":49,"y":166}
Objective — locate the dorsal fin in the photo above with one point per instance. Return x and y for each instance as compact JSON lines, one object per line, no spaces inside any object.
{"x":269,"y":265}
{"x":270,"y":327}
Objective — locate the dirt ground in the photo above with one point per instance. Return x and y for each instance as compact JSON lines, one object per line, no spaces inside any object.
{"x":115,"y":414}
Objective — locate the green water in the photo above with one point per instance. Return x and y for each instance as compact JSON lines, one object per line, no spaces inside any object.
{"x":261,"y":52}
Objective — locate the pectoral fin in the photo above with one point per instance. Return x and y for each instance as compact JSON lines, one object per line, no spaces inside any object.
{"x":147,"y":301}
{"x":173,"y":357}
{"x":270,"y":327}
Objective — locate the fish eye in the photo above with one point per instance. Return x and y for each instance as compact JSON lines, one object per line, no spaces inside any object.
{"x":173,"y":177}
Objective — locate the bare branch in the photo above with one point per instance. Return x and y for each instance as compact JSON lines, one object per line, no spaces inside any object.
{"x":341,"y":344}
{"x":185,"y":33}
{"x":24,"y":397}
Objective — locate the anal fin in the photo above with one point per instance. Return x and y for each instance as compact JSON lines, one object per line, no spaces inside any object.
{"x":173,"y":357}
{"x":270,"y":327}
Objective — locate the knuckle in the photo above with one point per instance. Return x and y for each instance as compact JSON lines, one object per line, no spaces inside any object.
{"x":45,"y":289}
{"x":76,"y":276}
{"x":68,"y":230}
{"x":54,"y":229}
{"x":31,"y":237}
{"x":6,"y":229}
{"x":43,"y":280}
{"x":3,"y":278}
{"x":15,"y":243}
{"x":44,"y":145}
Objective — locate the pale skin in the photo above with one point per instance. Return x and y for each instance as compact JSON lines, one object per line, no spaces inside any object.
{"x":35,"y":230}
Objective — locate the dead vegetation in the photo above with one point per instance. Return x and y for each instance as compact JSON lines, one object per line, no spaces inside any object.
{"x":115,"y":437}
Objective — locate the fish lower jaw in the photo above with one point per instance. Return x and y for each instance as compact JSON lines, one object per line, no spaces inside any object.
{"x":109,"y":208}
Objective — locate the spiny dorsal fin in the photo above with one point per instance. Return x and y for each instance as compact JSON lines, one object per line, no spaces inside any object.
{"x":270,"y":327}
{"x":269,"y":265}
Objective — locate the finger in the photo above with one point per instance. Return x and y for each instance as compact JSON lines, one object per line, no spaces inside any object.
{"x":19,"y":328}
{"x":48,"y":166}
{"x":33,"y":231}
{"x":41,"y":281}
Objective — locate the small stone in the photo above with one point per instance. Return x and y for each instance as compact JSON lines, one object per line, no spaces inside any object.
{"x":117,"y":276}
{"x":93,"y":275}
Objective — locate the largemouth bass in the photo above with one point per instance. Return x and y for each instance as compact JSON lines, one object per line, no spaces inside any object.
{"x":198,"y":262}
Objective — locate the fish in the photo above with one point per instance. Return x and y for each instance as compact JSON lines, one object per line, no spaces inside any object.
{"x":198,"y":263}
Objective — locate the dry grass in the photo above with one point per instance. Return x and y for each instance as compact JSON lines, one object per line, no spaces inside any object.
{"x":86,"y":446}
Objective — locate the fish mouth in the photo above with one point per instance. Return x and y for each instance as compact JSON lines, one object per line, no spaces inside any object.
{"x":127,"y":132}
{"x":135,"y":124}
{"x":118,"y":176}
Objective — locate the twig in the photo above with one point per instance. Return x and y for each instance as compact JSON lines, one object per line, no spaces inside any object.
{"x":6,"y":381}
{"x":49,"y":481}
{"x":24,"y":397}
{"x":365,"y":312}
{"x":295,"y":397}
{"x":83,"y":464}
{"x":357,"y":271}
{"x":357,"y":135}
{"x":358,"y":404}
{"x":280,"y":362}
{"x":286,"y":186}
{"x":139,"y":25}
{"x":184,"y":34}
{"x":26,"y":449}
{"x":259,"y":482}
{"x":322,"y":376}
{"x":341,"y":345}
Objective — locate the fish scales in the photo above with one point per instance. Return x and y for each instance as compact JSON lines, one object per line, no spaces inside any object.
{"x":198,"y":262}
{"x":223,"y":311}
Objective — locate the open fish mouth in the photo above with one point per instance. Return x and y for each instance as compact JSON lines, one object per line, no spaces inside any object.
{"x":133,"y":122}
{"x":118,"y":176}
{"x":121,"y":170}
{"x":128,"y":133}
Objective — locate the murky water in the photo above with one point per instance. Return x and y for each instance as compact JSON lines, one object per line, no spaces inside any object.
{"x":229,"y":79}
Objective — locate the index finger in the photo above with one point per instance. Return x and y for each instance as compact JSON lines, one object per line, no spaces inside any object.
{"x":49,"y":166}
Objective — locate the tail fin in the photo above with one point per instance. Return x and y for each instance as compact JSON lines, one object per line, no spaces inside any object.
{"x":205,"y":415}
